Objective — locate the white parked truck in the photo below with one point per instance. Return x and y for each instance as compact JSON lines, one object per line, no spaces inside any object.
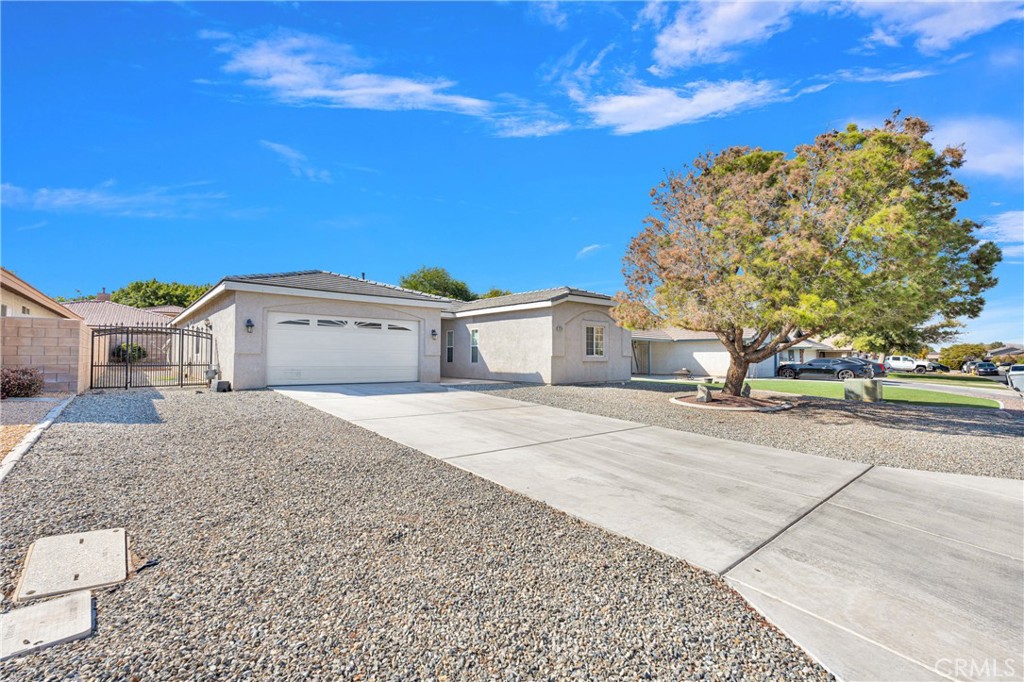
{"x":905,"y":363}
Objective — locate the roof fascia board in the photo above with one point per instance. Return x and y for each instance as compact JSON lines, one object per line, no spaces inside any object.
{"x":250,"y":287}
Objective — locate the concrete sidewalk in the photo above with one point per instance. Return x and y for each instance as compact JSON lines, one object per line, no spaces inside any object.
{"x":879,"y":573}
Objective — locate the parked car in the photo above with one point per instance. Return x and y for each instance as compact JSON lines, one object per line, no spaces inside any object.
{"x":1004,"y":367}
{"x":877,"y":368}
{"x":937,"y":366}
{"x":968,"y":367}
{"x":1015,"y":377}
{"x":837,"y":368}
{"x":905,"y":363}
{"x":986,"y":369}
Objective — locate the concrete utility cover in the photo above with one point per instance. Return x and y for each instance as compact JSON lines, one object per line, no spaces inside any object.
{"x":68,"y":563}
{"x":42,"y":625}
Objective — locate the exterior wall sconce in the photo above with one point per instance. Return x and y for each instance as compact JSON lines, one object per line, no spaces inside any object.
{"x":249,"y":326}
{"x":433,"y":333}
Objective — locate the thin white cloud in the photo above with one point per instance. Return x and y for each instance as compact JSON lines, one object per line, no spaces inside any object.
{"x":306,"y":70}
{"x":1000,"y":320}
{"x":934,"y":26}
{"x":995,"y":146}
{"x":550,"y":13}
{"x":709,"y":33}
{"x":1007,"y":227}
{"x":881,"y":75}
{"x":33,"y":226}
{"x":516,"y":126}
{"x":590,"y":250}
{"x":654,"y":13}
{"x":179,"y":201}
{"x":1013,"y":251}
{"x":297,"y":162}
{"x":645,"y":108}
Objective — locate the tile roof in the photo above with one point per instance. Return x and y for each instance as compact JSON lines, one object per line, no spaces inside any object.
{"x":321,"y":280}
{"x":99,"y":313}
{"x":539,"y":296}
{"x":165,"y":309}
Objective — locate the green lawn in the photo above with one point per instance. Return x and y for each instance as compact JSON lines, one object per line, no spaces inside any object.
{"x":948,"y":379}
{"x":834,"y":389}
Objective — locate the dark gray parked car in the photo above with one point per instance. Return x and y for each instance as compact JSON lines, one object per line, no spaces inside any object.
{"x":831,"y":368}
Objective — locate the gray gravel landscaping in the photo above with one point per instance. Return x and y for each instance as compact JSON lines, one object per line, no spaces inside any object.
{"x":288,"y":544}
{"x":948,"y":439}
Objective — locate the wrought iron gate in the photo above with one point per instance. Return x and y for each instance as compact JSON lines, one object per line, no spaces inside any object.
{"x":147,"y":356}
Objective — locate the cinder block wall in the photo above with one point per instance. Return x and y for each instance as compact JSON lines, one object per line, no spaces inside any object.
{"x":58,"y":348}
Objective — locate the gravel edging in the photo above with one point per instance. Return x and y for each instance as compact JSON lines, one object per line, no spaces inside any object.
{"x":981,"y":442}
{"x":291,"y":544}
{"x":12,"y":458}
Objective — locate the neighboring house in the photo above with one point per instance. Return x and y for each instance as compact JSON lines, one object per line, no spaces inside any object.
{"x":808,"y":350}
{"x":1005,"y":351}
{"x":36,"y":331}
{"x":102,"y":312}
{"x":316,"y":327}
{"x":671,"y":350}
{"x":171,"y":311}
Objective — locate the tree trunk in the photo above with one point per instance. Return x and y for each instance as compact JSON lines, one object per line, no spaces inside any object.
{"x":736,"y":375}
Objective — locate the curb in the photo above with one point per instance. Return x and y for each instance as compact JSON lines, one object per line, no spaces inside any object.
{"x":15,"y":455}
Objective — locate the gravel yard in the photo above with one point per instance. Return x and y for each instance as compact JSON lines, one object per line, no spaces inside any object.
{"x":293,"y":545}
{"x":17,"y":417}
{"x":955,"y":440}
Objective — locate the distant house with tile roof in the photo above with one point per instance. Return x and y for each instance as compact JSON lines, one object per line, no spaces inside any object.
{"x":99,"y":313}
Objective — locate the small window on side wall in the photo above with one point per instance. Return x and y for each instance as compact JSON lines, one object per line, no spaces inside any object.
{"x":25,"y":311}
{"x":474,"y":345}
{"x":595,"y":341}
{"x":449,"y":345}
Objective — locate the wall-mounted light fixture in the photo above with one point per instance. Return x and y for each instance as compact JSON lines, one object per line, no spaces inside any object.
{"x":433,"y":333}
{"x":249,"y":326}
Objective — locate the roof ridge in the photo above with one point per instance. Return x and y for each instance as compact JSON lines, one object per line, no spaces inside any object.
{"x":385,"y":284}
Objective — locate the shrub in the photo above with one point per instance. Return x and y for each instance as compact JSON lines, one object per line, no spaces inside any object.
{"x":128,"y":351}
{"x":20,"y":382}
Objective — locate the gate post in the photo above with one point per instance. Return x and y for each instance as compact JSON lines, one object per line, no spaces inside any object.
{"x":181,"y":357}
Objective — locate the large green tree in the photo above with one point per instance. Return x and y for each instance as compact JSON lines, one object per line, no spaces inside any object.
{"x":856,"y":233}
{"x":438,"y":281}
{"x":146,"y":294}
{"x":956,"y":355}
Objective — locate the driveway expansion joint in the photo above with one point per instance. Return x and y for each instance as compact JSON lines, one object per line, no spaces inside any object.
{"x":796,"y":521}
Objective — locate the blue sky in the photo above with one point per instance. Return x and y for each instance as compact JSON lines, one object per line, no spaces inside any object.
{"x":514,"y":144}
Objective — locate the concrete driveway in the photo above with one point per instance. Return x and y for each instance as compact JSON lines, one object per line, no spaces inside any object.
{"x":879,"y":573}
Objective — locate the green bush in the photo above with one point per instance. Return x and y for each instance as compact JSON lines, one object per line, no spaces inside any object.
{"x":128,"y":352}
{"x":20,"y":382}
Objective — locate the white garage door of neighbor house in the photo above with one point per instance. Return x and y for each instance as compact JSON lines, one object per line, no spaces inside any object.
{"x":322,"y":349}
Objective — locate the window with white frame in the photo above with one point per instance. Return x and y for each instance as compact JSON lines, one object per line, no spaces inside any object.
{"x":449,"y":345}
{"x":595,"y":341}
{"x":474,"y":345}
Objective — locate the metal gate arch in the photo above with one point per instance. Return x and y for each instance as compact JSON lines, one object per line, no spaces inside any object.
{"x":146,"y":356}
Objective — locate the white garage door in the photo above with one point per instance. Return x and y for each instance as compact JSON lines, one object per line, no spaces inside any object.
{"x":321,"y":349}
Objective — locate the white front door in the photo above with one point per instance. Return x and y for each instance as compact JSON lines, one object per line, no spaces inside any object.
{"x":333,"y":349}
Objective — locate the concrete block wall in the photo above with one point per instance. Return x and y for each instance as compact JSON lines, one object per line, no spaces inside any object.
{"x":59,"y":348}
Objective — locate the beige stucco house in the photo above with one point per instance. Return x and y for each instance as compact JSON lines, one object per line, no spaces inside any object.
{"x":316,"y":327}
{"x":671,"y":350}
{"x":36,"y":331}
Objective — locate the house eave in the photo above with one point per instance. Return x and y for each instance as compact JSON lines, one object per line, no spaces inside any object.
{"x":230,"y":285}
